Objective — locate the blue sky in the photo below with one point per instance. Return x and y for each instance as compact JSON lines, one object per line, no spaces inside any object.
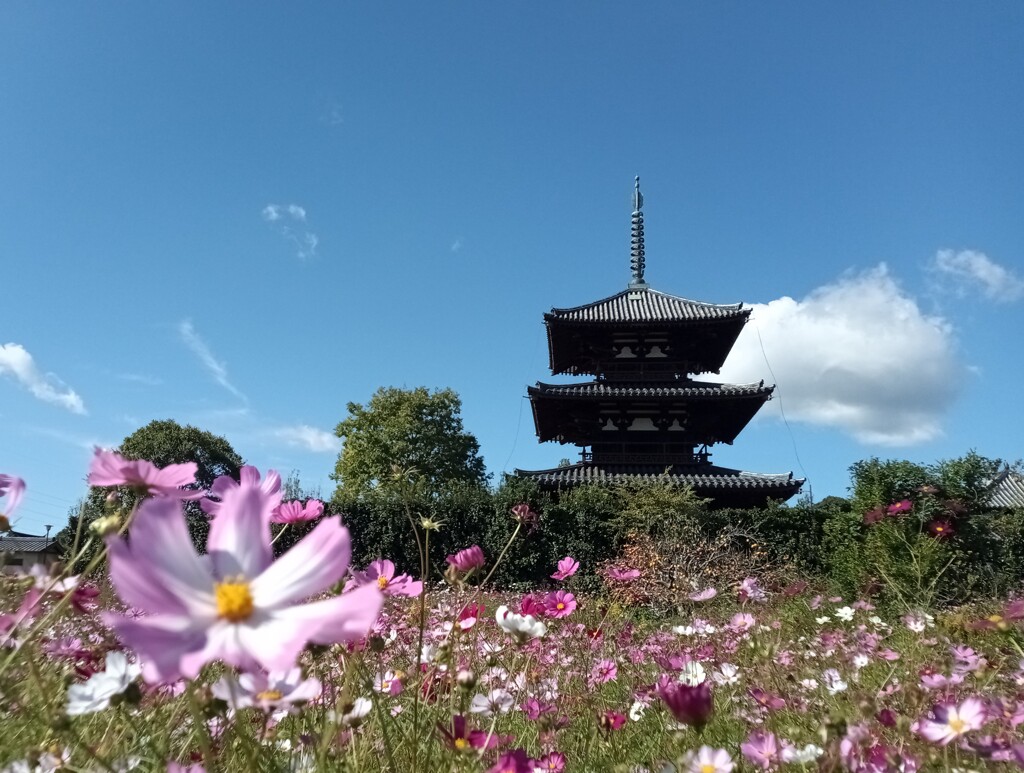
{"x":245,"y":218}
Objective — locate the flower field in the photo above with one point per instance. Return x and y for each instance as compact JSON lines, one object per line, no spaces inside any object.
{"x":158,"y":657}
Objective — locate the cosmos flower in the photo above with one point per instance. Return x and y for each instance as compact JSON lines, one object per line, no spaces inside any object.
{"x":567,"y":567}
{"x":622,"y":574}
{"x":940,"y":528}
{"x":296,"y":512}
{"x":559,"y":604}
{"x":111,"y":469}
{"x":522,"y":627}
{"x":689,"y":704}
{"x":898,"y":508}
{"x":467,"y":559}
{"x":949,"y":721}
{"x":382,"y":574}
{"x":705,"y":595}
{"x":236,"y":603}
{"x":14,"y":489}
{"x":708,"y":760}
{"x":267,"y":691}
{"x":762,"y":749}
{"x":96,"y":692}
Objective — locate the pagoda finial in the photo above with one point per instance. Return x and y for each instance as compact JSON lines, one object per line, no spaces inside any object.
{"x":636,"y":250}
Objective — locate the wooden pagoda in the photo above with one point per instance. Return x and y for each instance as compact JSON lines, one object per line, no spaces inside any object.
{"x":643,"y":416}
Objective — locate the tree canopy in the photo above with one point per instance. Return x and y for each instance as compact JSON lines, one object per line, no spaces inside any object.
{"x":162,"y":443}
{"x":414,"y":430}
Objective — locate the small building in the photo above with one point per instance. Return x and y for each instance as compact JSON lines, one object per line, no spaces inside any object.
{"x":19,"y":552}
{"x":644,"y":416}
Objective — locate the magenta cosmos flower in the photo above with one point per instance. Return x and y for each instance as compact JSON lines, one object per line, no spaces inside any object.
{"x":559,"y":604}
{"x":236,"y":603}
{"x":381,"y":573}
{"x":567,"y":567}
{"x":296,"y":512}
{"x":467,"y":559}
{"x":111,"y":469}
{"x":689,"y":704}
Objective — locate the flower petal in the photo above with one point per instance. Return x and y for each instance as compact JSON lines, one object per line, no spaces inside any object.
{"x":239,"y":541}
{"x":318,"y":561}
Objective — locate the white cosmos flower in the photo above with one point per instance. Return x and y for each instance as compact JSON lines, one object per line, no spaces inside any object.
{"x":636,"y":711}
{"x":522,"y":627}
{"x":693,"y":674}
{"x":727,"y":673}
{"x":833,"y":681}
{"x":684,"y":630}
{"x":823,"y":620}
{"x":845,"y":614}
{"x":497,"y":700}
{"x":95,"y":693}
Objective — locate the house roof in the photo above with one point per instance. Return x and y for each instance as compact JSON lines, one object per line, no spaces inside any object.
{"x":677,"y":389}
{"x":16,"y":541}
{"x":647,"y":305}
{"x":1007,"y":489}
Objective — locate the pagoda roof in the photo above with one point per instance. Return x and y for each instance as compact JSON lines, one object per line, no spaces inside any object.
{"x":642,"y":390}
{"x":645,"y":305}
{"x":722,"y":483}
{"x":1007,"y":490}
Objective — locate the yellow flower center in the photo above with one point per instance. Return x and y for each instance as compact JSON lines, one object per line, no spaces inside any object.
{"x":560,"y":605}
{"x":269,"y":695}
{"x":234,"y":601}
{"x":382,"y":582}
{"x":461,"y":744}
{"x":957,"y":725}
{"x":706,"y":768}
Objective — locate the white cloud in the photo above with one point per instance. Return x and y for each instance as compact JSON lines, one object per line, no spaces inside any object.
{"x":16,"y":362}
{"x":199,"y":348}
{"x":857,"y":355}
{"x":310,"y":438}
{"x":457,"y":245}
{"x":997,"y":282}
{"x":305,"y":242}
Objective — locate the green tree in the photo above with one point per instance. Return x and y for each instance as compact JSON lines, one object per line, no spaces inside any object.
{"x":162,"y":443}
{"x":413,"y":430}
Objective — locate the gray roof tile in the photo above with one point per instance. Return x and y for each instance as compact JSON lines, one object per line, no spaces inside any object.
{"x":1007,"y":490}
{"x":678,"y":389}
{"x":647,"y":305}
{"x":697,"y":476}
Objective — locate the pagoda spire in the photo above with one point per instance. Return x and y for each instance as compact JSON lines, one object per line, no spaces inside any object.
{"x":636,"y":250}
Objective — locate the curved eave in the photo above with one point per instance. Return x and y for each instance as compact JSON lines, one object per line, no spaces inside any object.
{"x":577,"y":418}
{"x":585,"y":348}
{"x":727,"y":487}
{"x":644,"y":306}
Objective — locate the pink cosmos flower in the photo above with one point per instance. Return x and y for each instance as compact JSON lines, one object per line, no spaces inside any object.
{"x":467,"y":559}
{"x":514,"y":761}
{"x":269,"y":692}
{"x":604,"y":670}
{"x":559,"y":604}
{"x":247,"y":476}
{"x":111,"y":469}
{"x":236,"y":603}
{"x":13,"y":488}
{"x":762,"y":749}
{"x":461,"y":738}
{"x":949,"y":722}
{"x":567,"y":567}
{"x":708,"y":760}
{"x":705,"y":595}
{"x":751,"y":590}
{"x":531,"y":605}
{"x":898,"y":508}
{"x":742,"y":621}
{"x":382,"y":574}
{"x":622,"y":574}
{"x":551,"y":763}
{"x":295,"y":512}
{"x":611,"y":720}
{"x":469,"y":615}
